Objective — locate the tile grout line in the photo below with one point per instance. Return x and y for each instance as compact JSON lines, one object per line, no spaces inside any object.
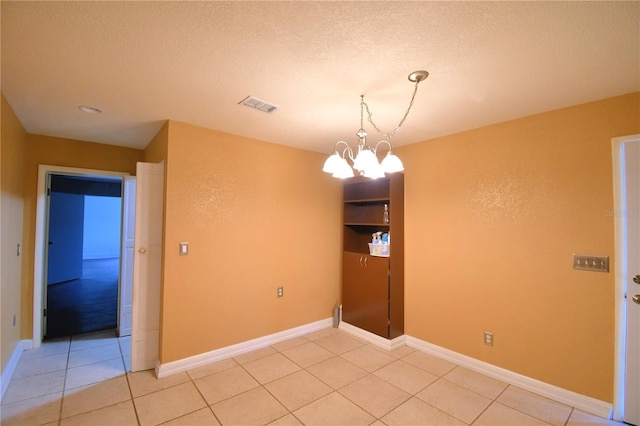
{"x":566,"y":422}
{"x":203,"y":398}
{"x":126,"y":375}
{"x":493,"y":400}
{"x":64,"y":382}
{"x":528,"y":414}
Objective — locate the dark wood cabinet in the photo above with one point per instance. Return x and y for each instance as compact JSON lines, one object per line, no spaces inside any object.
{"x":373,"y":286}
{"x":365,"y":292}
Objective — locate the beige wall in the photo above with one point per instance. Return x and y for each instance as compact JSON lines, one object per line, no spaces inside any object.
{"x":493,"y":217}
{"x":257,"y":216}
{"x":12,"y":144}
{"x":67,"y":153}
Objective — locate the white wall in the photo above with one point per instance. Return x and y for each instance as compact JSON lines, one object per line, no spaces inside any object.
{"x":102,"y":217}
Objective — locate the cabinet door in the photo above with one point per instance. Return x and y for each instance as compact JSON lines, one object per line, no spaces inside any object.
{"x":365,"y":292}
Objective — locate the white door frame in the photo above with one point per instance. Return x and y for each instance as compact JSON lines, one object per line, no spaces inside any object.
{"x":127,"y":253}
{"x":39,"y":261}
{"x":621,"y":273}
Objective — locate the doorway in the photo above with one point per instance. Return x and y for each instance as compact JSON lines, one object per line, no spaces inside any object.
{"x":626,"y":216}
{"x":83,"y":254}
{"x":41,"y":238}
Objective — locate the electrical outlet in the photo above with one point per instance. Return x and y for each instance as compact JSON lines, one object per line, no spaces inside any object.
{"x":488,"y":338}
{"x":591,"y":263}
{"x":184,"y":249}
{"x":280,"y":291}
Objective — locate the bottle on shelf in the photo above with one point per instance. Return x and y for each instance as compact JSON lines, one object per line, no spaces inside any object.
{"x":385,"y":215}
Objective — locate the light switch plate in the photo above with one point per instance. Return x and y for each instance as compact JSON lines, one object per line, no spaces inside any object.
{"x":184,"y":249}
{"x":591,"y":263}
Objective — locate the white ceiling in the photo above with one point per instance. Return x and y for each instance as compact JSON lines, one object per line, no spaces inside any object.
{"x":145,"y":62}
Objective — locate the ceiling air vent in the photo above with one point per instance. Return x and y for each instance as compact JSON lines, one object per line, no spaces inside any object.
{"x":256,"y":103}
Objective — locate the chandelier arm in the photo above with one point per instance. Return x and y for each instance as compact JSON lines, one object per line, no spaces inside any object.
{"x":390,"y":134}
{"x":335,"y":147}
{"x":375,"y":149}
{"x":348,"y":151}
{"x":362,"y":104}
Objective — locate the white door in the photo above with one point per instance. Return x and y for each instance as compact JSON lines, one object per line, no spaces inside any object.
{"x":125,"y":297}
{"x":147,"y":266}
{"x":632,"y":214}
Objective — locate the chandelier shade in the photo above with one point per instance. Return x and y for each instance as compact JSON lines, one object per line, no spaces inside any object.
{"x":332,"y":163}
{"x":366,"y":161}
{"x":391,"y":163}
{"x":343,"y":171}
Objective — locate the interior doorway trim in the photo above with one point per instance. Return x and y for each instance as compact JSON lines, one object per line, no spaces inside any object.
{"x":620,"y":269}
{"x":39,"y":260}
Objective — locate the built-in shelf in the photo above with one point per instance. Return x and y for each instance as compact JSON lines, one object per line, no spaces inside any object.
{"x":373,"y":286}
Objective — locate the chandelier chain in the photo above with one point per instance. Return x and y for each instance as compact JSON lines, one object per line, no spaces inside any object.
{"x":389,"y":135}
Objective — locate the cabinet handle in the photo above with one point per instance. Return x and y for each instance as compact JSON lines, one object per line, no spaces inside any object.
{"x":365,"y":262}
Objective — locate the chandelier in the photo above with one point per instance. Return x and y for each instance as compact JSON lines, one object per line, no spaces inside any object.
{"x":365,"y":161}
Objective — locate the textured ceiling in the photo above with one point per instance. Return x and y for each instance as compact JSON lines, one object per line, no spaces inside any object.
{"x":145,"y":62}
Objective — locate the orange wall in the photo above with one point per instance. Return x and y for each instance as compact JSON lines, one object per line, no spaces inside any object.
{"x":493,"y":217}
{"x":257,"y":216}
{"x":12,"y":144}
{"x":68,"y":153}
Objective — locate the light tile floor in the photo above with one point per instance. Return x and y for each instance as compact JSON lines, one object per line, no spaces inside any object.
{"x":324,"y":378}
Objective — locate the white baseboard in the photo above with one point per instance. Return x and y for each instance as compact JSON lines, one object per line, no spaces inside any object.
{"x":10,"y":368}
{"x":169,"y":368}
{"x":374,"y":339}
{"x":581,"y":402}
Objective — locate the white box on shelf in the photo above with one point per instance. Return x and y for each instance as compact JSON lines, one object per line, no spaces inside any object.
{"x":381,"y":250}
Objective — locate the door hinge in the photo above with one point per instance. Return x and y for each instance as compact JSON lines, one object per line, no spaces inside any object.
{"x":48,"y":191}
{"x":44,"y":312}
